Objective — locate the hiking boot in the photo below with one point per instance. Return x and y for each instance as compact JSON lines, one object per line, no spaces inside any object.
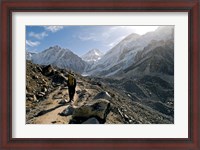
{"x":66,"y":100}
{"x":63,"y":102}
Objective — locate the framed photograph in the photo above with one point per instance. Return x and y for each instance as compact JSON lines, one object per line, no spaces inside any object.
{"x":89,"y":74}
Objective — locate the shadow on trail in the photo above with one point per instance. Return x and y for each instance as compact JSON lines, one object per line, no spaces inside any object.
{"x":49,"y":110}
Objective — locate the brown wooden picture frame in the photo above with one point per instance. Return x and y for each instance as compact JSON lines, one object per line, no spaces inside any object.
{"x":9,"y":6}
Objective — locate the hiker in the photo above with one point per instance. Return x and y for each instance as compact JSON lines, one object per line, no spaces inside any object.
{"x":71,"y":83}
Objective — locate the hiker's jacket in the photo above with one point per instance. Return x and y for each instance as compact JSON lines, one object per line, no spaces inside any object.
{"x":71,"y":81}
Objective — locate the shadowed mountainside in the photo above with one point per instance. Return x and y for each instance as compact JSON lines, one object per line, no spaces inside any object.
{"x":96,"y":100}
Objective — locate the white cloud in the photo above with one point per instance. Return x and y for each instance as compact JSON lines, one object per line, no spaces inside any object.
{"x":38,"y":35}
{"x":135,"y":29}
{"x":53,"y":28}
{"x":31,"y":43}
{"x":120,"y":32}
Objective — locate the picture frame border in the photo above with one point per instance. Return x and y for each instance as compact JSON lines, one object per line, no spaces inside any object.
{"x":9,"y":6}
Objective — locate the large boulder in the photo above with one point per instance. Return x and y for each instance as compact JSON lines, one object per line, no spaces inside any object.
{"x":98,"y":109}
{"x":48,"y":70}
{"x":103,"y":95}
{"x":67,"y":111}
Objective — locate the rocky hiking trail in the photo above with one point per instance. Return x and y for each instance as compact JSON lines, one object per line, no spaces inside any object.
{"x":94,"y":102}
{"x":53,"y":109}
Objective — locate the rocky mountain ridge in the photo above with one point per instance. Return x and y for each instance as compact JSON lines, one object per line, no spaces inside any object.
{"x":96,"y":102}
{"x":60,"y":57}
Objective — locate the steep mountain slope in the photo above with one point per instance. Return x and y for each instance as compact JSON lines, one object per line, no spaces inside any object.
{"x":123,"y":54}
{"x":62,"y":58}
{"x":145,"y":73}
{"x":155,"y":59}
{"x":92,"y":56}
{"x":95,"y":101}
{"x":150,"y":78}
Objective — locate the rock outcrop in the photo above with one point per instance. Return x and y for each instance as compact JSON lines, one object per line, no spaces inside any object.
{"x":98,"y":109}
{"x":67,"y":111}
{"x":103,"y":95}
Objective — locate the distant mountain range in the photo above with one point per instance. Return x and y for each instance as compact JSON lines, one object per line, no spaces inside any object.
{"x":135,"y":54}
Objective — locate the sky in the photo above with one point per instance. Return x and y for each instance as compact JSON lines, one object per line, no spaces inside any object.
{"x":79,"y":39}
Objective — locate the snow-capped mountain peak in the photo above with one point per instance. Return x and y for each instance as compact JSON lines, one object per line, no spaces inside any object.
{"x":92,"y":55}
{"x":29,"y":55}
{"x":60,"y":57}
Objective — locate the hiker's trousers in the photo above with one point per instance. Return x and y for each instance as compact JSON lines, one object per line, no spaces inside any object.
{"x":71,"y":90}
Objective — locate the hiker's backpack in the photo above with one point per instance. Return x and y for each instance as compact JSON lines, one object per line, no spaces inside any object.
{"x":71,"y":80}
